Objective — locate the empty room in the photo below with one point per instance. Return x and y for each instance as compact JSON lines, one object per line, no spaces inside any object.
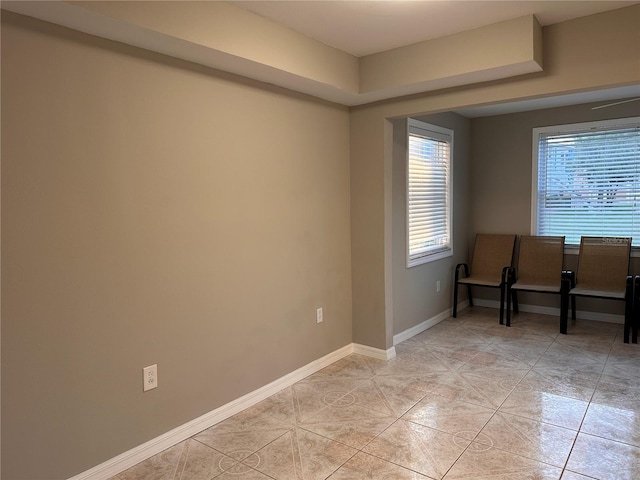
{"x":258,"y":240}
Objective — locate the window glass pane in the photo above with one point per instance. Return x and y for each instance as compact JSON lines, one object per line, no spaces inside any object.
{"x":428,"y":191}
{"x":588,"y":180}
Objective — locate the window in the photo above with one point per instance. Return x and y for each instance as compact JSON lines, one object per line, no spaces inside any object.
{"x":428,"y":193}
{"x":586,"y":180}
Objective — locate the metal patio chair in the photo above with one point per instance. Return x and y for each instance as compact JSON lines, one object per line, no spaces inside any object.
{"x":492,"y":258}
{"x":539,"y":269}
{"x":603,"y":272}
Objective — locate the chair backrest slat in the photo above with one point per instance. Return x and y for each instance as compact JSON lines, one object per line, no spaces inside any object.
{"x":603,"y":263}
{"x":540,"y":260}
{"x":491,"y":253}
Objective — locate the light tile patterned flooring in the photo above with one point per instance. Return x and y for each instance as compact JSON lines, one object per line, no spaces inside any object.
{"x":466,"y":399}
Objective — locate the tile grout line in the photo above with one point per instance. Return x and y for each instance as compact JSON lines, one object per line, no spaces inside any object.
{"x":297,"y":420}
{"x":494,"y":413}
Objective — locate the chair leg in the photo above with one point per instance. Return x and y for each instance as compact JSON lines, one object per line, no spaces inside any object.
{"x":628,"y":319}
{"x":570,"y":276}
{"x":503,"y":287}
{"x":456,"y":285}
{"x":455,"y":300}
{"x":636,"y":309}
{"x":564,"y":305}
{"x":628,"y":308}
{"x":506,"y":280}
{"x":636,"y":324}
{"x":509,"y":278}
{"x":509,"y":296}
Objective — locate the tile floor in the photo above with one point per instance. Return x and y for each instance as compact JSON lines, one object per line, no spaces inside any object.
{"x":466,"y":399}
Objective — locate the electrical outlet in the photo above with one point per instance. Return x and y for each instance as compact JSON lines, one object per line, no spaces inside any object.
{"x":438,"y":286}
{"x":319,"y":318}
{"x":150,"y":377}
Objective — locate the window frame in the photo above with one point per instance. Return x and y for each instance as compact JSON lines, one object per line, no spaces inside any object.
{"x":440,"y":134}
{"x":564,"y":129}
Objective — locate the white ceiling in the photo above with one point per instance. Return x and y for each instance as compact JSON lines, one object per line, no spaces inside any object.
{"x":365,"y":27}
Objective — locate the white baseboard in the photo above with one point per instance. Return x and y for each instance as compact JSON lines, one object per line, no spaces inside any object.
{"x":142,"y":452}
{"x":374,"y":352}
{"x":581,"y":314}
{"x":421,"y":327}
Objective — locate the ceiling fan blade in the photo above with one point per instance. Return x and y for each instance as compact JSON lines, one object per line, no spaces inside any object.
{"x":615,"y":103}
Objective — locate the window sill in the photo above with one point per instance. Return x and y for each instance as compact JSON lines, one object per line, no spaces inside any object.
{"x":430,"y":258}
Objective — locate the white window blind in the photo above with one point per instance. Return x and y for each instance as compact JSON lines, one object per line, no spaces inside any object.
{"x":588,"y":180}
{"x":428,"y":193}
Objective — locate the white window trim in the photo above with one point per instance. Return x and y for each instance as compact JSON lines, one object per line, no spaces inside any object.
{"x":571,"y":127}
{"x":444,"y":134}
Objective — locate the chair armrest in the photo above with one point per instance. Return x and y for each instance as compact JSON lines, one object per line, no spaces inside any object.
{"x":464,"y":266}
{"x":508,"y":276}
{"x":569,"y":275}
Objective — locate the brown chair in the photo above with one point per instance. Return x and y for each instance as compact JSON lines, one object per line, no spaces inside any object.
{"x":603,"y":272}
{"x":492,"y":257}
{"x":540,"y":261}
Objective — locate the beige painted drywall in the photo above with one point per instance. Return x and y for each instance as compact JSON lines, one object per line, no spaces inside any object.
{"x":500,"y":50}
{"x":414,"y":295}
{"x":154,"y":211}
{"x":224,"y":27}
{"x":501,"y":174}
{"x":224,"y":36}
{"x":215,"y":34}
{"x":367,"y":228}
{"x":590,"y":53}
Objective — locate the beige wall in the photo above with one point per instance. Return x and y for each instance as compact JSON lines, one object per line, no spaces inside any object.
{"x":414,"y":295}
{"x":589,"y":53}
{"x":230,"y":30}
{"x":500,"y":50}
{"x":154,"y":211}
{"x":368,"y":230}
{"x":501,"y":173}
